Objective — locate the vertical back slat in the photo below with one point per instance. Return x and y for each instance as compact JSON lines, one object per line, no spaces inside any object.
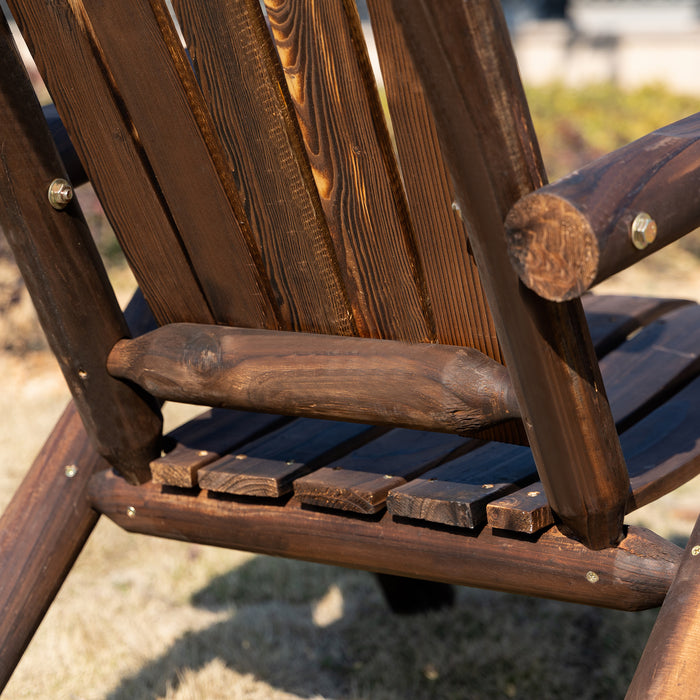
{"x":160,"y":93}
{"x":243,"y":84}
{"x":462,"y":53}
{"x":110,"y":152}
{"x":461,"y":312}
{"x":330,"y":81}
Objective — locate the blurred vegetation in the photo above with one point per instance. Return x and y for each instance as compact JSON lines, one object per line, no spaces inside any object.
{"x":577,"y":125}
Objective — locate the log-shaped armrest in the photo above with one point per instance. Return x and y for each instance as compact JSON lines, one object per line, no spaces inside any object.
{"x":419,"y":385}
{"x":568,"y":236}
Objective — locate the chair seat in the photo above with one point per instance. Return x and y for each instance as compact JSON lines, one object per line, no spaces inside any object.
{"x":649,"y":368}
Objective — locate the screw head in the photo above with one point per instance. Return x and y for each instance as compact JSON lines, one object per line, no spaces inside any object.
{"x":643,"y":231}
{"x":60,"y":193}
{"x":533,"y":494}
{"x":695,"y":551}
{"x":592,"y":577}
{"x":131,"y":512}
{"x":70,"y":470}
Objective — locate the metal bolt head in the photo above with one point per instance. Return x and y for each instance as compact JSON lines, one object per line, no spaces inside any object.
{"x":60,"y":193}
{"x":695,"y":551}
{"x":70,"y":470}
{"x":643,"y":231}
{"x":592,"y":577}
{"x":131,"y":512}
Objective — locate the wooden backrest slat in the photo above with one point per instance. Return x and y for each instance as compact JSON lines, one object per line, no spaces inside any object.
{"x":109,"y":150}
{"x":243,"y":85}
{"x":331,"y":83}
{"x":461,"y":312}
{"x":176,"y":134}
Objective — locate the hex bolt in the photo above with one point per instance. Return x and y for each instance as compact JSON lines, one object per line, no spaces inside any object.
{"x":642,"y":231}
{"x":60,"y":193}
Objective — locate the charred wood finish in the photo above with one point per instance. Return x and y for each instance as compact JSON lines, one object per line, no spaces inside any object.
{"x":330,"y":80}
{"x":633,"y":576}
{"x":431,"y":387}
{"x":243,"y":85}
{"x":463,"y":54}
{"x":42,"y":532}
{"x":109,"y":149}
{"x":570,"y":235}
{"x":670,"y":664}
{"x":62,"y":269}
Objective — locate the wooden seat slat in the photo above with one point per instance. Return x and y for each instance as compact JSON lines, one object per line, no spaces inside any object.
{"x":243,"y":85}
{"x":611,"y":318}
{"x":268,"y":466}
{"x":440,"y":495}
{"x":205,"y":439}
{"x":662,"y":451}
{"x":330,"y":79}
{"x":361,"y":480}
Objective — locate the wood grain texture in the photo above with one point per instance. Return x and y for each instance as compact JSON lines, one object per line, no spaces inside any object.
{"x":243,"y":85}
{"x":109,"y":149}
{"x":461,"y":312}
{"x":361,"y":480}
{"x":331,"y":84}
{"x":670,"y":664}
{"x":418,"y":385}
{"x":204,"y":440}
{"x":457,"y":492}
{"x":633,"y":576}
{"x":268,"y":466}
{"x":463,"y":55}
{"x":662,"y":452}
{"x":175,"y":132}
{"x":42,"y":532}
{"x":574,"y":233}
{"x":68,"y":284}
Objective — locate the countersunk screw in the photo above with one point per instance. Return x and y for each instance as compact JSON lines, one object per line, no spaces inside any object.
{"x":695,"y":550}
{"x":60,"y":193}
{"x":643,"y":231}
{"x":592,"y":577}
{"x":70,"y":470}
{"x":131,"y":512}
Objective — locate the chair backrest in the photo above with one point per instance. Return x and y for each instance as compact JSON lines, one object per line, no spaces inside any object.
{"x":252,"y":181}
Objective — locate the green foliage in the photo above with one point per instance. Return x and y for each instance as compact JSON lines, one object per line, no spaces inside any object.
{"x":575,"y":126}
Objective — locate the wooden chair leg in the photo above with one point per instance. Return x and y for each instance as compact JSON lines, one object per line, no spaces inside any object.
{"x":407,"y":596}
{"x":42,"y":532}
{"x":670,"y":665}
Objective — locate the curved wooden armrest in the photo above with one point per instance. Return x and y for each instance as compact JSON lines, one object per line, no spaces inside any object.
{"x":568,"y":236}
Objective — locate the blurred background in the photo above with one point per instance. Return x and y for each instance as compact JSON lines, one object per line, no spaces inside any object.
{"x":140,"y":618}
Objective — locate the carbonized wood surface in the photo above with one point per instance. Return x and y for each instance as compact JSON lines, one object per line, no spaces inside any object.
{"x":331,"y":84}
{"x":160,"y":92}
{"x":459,"y":304}
{"x":633,"y":576}
{"x":463,"y":55}
{"x":268,"y":466}
{"x":361,"y":480}
{"x":110,"y":151}
{"x":243,"y":85}
{"x":205,"y":439}
{"x":42,"y":532}
{"x":63,"y":272}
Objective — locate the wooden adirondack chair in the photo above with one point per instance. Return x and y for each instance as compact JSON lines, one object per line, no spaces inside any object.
{"x":302,"y":272}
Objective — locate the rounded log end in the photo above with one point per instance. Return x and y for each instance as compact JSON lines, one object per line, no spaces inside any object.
{"x":552,"y":246}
